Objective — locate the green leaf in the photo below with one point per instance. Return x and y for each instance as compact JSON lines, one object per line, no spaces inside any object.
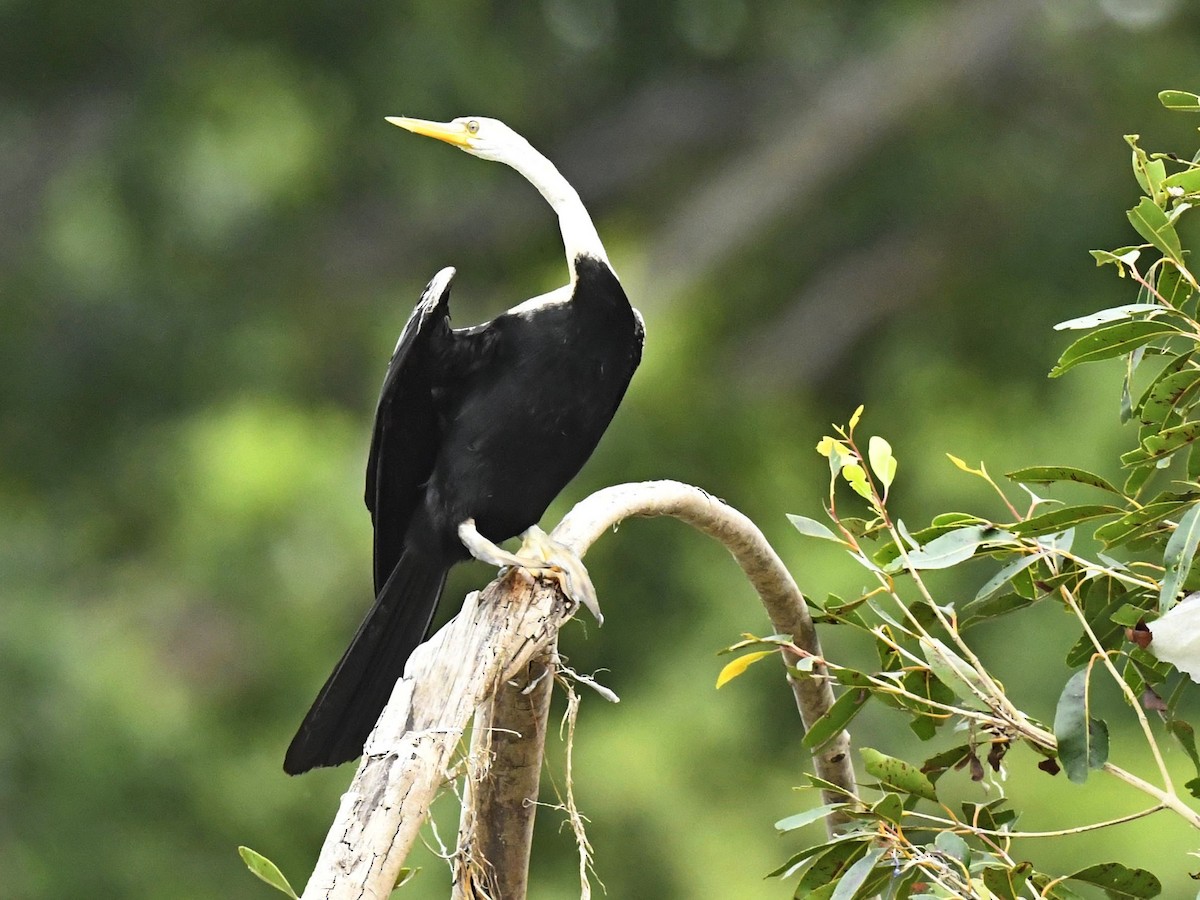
{"x":1062,"y":518}
{"x":1172,"y":286}
{"x":813,"y":528}
{"x":845,"y":708}
{"x":1082,"y":740}
{"x":736,"y":667}
{"x":827,"y":868}
{"x":1111,"y":341}
{"x":1003,"y":577}
{"x":752,"y":640}
{"x":1174,"y":364}
{"x":799,"y":820}
{"x":1128,"y":615}
{"x":1005,"y":882}
{"x":1188,"y":181}
{"x":943,"y":524}
{"x":1177,"y":560}
{"x":1098,"y":613}
{"x":953,"y":671}
{"x":990,"y":815}
{"x":1186,"y":736}
{"x":950,"y":549}
{"x":897,"y":774}
{"x":1120,"y":881}
{"x":1137,"y":480}
{"x":1112,"y":314}
{"x":1163,"y":444}
{"x":992,"y":607}
{"x":889,"y":807}
{"x":1125,"y":256}
{"x":940,"y":763}
{"x":1140,"y":158}
{"x":1181,"y":101}
{"x":266,"y":870}
{"x":1149,"y":220}
{"x":883,"y":464}
{"x":857,"y":874}
{"x":952,"y":845}
{"x":1058,"y":891}
{"x":1168,"y":403}
{"x":1054,"y":474}
{"x":1138,"y":523}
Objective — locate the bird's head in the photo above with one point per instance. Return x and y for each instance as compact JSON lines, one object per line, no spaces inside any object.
{"x":477,"y":135}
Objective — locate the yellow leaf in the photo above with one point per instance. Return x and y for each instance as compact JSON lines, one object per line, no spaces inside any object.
{"x":736,"y":667}
{"x":857,"y":415}
{"x":856,"y":477}
{"x":962,"y":465}
{"x":828,"y":446}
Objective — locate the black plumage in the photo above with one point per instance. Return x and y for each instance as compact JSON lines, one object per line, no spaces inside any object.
{"x":486,"y":423}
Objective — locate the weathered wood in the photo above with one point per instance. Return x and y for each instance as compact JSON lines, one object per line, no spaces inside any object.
{"x":488,"y":644}
{"x":406,"y":757}
{"x":508,"y":741}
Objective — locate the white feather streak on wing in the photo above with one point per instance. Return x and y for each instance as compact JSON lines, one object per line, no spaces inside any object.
{"x":557,"y":296}
{"x":429,"y":299}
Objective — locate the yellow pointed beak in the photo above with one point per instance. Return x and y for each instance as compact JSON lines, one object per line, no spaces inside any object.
{"x":451,"y":132}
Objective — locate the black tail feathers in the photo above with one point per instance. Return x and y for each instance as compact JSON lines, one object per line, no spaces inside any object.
{"x":349,"y":704}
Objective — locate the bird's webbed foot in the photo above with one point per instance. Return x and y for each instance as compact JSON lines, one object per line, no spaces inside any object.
{"x":539,"y":554}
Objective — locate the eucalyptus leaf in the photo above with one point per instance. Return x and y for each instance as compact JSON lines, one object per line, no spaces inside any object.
{"x":950,"y":548}
{"x":1181,"y":101}
{"x":1167,"y":442}
{"x":266,"y":870}
{"x":799,"y":820}
{"x":1173,"y":287}
{"x":897,"y":774}
{"x":1104,"y":316}
{"x":1111,"y":341}
{"x":1150,"y":221}
{"x":736,"y":667}
{"x":1082,"y":740}
{"x":828,"y":726}
{"x":1056,"y":474}
{"x":1003,"y":577}
{"x":953,"y":671}
{"x":1120,"y":881}
{"x":854,"y":878}
{"x":1168,"y":396}
{"x":823,"y":874}
{"x":813,"y":528}
{"x":1177,"y":559}
{"x":1187,"y":181}
{"x":1063,"y":518}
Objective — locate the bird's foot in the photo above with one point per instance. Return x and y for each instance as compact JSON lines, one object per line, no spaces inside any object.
{"x":539,"y":554}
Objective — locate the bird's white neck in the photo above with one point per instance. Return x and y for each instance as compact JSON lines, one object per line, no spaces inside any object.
{"x":579,"y":234}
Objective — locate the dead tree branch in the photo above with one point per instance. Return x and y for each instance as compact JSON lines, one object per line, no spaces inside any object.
{"x":489,"y":644}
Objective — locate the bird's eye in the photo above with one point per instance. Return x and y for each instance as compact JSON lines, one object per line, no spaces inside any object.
{"x":472,"y":126}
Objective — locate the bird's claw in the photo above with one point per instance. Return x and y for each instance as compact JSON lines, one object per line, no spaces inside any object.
{"x":539,"y":554}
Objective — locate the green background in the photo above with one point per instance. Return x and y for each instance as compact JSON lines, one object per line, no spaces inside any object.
{"x":209,"y":240}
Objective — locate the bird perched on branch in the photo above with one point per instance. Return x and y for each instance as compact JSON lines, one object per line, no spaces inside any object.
{"x":476,"y":431}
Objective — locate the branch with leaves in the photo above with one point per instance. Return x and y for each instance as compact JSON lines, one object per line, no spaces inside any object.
{"x":1136,"y":603}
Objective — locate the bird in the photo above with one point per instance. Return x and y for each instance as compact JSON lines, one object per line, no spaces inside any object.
{"x":476,"y":431}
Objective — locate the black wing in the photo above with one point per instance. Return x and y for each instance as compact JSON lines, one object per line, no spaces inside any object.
{"x":405,"y":440}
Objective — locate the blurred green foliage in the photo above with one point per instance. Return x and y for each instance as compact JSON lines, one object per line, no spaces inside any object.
{"x":210,"y":240}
